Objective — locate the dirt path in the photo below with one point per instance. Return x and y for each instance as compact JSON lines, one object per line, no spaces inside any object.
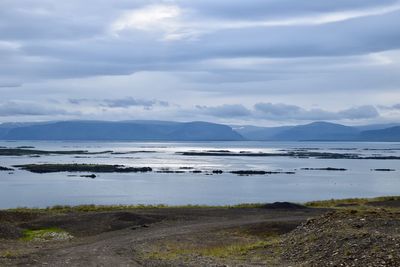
{"x":122,"y":247}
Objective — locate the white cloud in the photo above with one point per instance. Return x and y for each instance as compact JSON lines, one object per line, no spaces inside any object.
{"x":174,"y":24}
{"x":314,"y":19}
{"x":153,"y":18}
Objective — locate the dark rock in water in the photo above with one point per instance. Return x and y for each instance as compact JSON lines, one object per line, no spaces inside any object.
{"x":25,"y":147}
{"x":283,"y":206}
{"x":96,"y":168}
{"x":89,"y":176}
{"x":5,"y":169}
{"x":217,"y":172}
{"x":249,"y":172}
{"x":324,"y":169}
{"x":169,"y":171}
{"x":196,"y":171}
{"x":383,"y":170}
{"x":253,"y":172}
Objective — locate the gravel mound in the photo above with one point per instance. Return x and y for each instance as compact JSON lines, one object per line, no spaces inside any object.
{"x":283,"y":206}
{"x":348,"y":238}
{"x":9,"y":231}
{"x":385,"y":203}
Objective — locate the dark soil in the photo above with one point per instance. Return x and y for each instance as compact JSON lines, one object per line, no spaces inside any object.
{"x":9,"y":231}
{"x":388,"y":203}
{"x":277,"y":234}
{"x":87,"y":224}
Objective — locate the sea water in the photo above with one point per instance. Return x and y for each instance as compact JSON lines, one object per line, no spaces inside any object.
{"x":25,"y":189}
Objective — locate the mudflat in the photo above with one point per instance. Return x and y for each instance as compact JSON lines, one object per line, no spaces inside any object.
{"x":332,"y":233}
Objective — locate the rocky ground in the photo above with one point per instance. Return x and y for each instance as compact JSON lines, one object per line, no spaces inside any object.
{"x":345,"y":233}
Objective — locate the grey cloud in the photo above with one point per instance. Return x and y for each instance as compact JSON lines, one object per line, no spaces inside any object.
{"x":131,"y":102}
{"x":97,"y":53}
{"x":126,"y":102}
{"x":9,"y":85}
{"x":227,"y":111}
{"x":353,"y":37}
{"x":293,"y":112}
{"x":43,"y":40}
{"x":285,"y":112}
{"x":18,"y":108}
{"x":277,"y":110}
{"x":77,"y":101}
{"x":390,"y":107}
{"x":362,"y":112}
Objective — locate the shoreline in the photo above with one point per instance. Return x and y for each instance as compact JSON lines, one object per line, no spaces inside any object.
{"x":323,"y":203}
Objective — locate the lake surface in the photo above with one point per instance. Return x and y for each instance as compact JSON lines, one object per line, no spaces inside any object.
{"x":25,"y":189}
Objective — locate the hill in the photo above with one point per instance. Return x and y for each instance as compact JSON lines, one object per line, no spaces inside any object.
{"x":148,"y":130}
{"x":391,"y":134}
{"x":126,"y":130}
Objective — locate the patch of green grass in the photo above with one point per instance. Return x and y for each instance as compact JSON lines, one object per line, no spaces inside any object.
{"x":235,"y":249}
{"x":8,"y":254}
{"x":47,"y":234}
{"x":99,"y":208}
{"x":173,"y":251}
{"x":334,"y":203}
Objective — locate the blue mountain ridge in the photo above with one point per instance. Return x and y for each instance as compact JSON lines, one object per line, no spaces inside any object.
{"x":148,"y":130}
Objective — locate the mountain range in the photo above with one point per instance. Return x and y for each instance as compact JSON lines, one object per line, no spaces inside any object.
{"x":194,"y":131}
{"x":322,"y":131}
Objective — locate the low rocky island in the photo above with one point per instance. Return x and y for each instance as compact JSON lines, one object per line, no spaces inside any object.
{"x":6,"y":169}
{"x":98,"y":168}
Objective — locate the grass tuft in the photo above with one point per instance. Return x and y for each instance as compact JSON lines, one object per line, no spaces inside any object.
{"x":333,"y":203}
{"x":47,"y":234}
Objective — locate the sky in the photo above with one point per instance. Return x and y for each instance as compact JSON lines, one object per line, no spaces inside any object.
{"x":259,"y":62}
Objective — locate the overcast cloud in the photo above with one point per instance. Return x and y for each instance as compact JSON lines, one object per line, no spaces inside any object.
{"x":269,"y":62}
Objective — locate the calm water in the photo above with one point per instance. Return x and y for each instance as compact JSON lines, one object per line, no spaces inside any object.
{"x":22,"y":188}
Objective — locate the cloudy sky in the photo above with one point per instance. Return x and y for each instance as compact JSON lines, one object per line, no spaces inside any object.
{"x":263,"y":62}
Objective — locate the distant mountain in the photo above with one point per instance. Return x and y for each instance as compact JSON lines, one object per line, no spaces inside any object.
{"x":376,"y":126}
{"x":322,"y":131}
{"x":260,"y":133}
{"x":317,"y":131}
{"x":193,"y":131}
{"x":391,"y":134}
{"x":126,"y":130}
